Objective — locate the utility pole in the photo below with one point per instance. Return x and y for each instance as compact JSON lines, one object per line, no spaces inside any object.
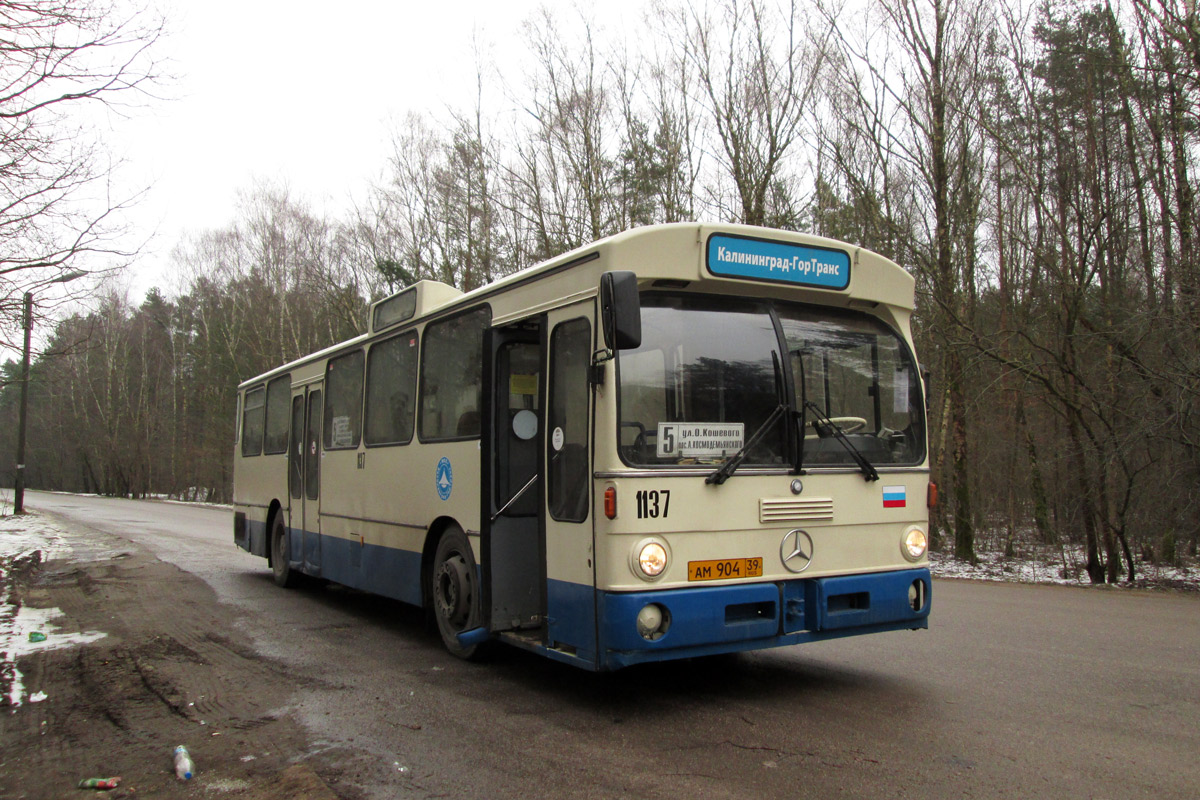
{"x":19,"y":482}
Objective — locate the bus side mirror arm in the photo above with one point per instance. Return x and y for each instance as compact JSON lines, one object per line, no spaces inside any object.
{"x":927,"y":379}
{"x":596,"y":368}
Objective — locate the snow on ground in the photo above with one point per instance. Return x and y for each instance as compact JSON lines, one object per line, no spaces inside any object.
{"x":200,"y":503}
{"x":1059,"y":565}
{"x":24,"y":630}
{"x":22,"y":536}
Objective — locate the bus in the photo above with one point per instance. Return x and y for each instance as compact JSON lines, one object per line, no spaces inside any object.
{"x":678,"y":441}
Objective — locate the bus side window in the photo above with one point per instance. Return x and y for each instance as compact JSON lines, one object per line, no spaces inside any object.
{"x":252,"y":422}
{"x":343,"y":401}
{"x":279,"y":399}
{"x":391,"y":389}
{"x":567,"y":429}
{"x":452,"y":376}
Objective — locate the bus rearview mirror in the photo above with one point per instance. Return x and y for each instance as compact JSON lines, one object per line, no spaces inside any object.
{"x":621,"y":310}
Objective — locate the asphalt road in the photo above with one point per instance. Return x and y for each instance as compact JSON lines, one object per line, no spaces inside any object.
{"x":1015,"y":691}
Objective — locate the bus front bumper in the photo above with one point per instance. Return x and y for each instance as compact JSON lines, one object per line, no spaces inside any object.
{"x":723,"y":619}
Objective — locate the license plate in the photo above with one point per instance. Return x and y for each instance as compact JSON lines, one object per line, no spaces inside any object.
{"x":724,"y":569}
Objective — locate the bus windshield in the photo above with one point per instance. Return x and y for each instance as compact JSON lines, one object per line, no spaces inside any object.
{"x":710,"y":371}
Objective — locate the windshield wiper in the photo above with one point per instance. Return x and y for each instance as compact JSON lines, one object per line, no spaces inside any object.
{"x":798,"y":359}
{"x":868,"y":470}
{"x":722,"y":473}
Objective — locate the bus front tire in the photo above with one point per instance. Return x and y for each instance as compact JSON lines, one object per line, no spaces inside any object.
{"x":454,"y":591}
{"x":280,"y":569}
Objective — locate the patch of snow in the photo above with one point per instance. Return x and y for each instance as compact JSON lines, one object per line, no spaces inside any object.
{"x":198,"y":503}
{"x":23,"y":537}
{"x":16,"y":623}
{"x":1064,"y":566}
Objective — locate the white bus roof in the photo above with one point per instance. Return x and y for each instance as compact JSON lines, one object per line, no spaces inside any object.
{"x":873,"y":280}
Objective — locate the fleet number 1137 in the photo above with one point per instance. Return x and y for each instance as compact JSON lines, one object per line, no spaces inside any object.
{"x":653,"y":503}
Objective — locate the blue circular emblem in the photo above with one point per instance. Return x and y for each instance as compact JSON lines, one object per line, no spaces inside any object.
{"x":444,"y":479}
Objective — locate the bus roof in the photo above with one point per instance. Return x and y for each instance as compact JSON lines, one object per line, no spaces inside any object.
{"x":874,"y":279}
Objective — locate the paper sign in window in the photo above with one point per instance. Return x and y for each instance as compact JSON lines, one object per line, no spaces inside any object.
{"x":679,"y":439}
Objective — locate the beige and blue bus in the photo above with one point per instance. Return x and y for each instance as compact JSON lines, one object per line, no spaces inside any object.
{"x":678,"y":441}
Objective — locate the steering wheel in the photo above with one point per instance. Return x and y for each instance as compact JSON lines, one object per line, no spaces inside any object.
{"x":846,"y":424}
{"x":640,"y":440}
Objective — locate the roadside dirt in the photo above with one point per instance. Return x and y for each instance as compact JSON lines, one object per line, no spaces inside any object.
{"x":170,"y":670}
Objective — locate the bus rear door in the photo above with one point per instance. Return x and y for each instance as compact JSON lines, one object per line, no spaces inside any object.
{"x":305,"y":478}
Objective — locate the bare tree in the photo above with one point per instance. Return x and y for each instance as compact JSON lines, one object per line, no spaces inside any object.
{"x":563,"y":180}
{"x":909,"y":108}
{"x":660,"y":155}
{"x":758,"y":72}
{"x":61,"y":60}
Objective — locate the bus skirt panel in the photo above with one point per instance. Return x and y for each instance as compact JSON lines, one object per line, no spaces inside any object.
{"x":722,"y":619}
{"x":571,"y":619}
{"x":250,"y":534}
{"x":386,"y":571}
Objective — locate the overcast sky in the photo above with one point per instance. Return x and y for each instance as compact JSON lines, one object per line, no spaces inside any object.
{"x":302,"y":92}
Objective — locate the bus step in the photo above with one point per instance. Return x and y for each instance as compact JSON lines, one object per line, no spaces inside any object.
{"x":533,"y":636}
{"x":472,"y":637}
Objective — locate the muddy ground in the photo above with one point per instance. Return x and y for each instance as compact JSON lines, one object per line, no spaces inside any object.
{"x":170,"y":671}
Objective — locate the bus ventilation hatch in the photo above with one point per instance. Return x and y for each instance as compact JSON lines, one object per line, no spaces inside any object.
{"x":812,"y":509}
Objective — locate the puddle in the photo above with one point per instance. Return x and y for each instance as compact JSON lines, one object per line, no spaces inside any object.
{"x":15,"y":626}
{"x":23,"y":537}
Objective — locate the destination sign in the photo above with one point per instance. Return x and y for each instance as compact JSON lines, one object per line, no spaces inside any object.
{"x":784,"y":262}
{"x":677,"y":439}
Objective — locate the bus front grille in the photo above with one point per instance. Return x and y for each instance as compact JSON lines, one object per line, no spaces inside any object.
{"x":811,"y":509}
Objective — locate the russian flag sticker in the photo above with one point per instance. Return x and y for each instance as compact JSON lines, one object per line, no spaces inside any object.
{"x":894,"y":497}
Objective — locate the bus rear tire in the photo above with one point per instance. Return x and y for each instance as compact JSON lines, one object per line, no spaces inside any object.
{"x":454,"y":591}
{"x":280,"y":569}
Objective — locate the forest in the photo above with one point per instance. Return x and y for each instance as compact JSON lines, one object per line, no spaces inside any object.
{"x":1030,"y":163}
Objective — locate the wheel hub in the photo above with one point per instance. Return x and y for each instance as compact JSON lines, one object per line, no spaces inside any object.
{"x":453,"y":593}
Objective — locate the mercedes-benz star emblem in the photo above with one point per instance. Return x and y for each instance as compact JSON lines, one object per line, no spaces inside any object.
{"x":796,"y":550}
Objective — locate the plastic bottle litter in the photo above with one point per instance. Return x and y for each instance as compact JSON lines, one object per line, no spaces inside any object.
{"x":184,"y":768}
{"x":99,"y":783}
{"x":37,"y":636}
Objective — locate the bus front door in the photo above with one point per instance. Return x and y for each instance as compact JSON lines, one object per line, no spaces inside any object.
{"x":570,"y":580}
{"x":512,"y":542}
{"x":305,"y":480}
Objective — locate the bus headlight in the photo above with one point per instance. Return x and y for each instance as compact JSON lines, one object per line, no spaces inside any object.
{"x":650,"y":559}
{"x":914,"y":544}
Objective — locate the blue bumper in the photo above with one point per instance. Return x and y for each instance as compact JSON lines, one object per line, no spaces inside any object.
{"x":723,"y":619}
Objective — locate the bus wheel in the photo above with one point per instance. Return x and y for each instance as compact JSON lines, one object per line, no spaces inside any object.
{"x":455,"y":590}
{"x":279,"y":555}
